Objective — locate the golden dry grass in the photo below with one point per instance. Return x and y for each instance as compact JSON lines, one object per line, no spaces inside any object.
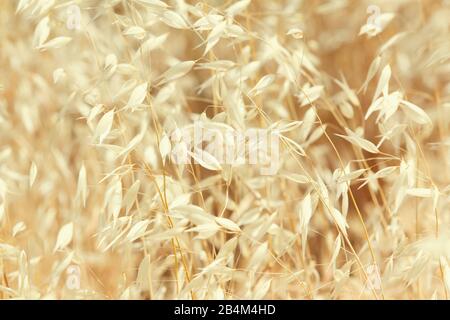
{"x":91,"y":206}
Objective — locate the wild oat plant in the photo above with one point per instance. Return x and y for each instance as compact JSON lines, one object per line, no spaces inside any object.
{"x":224,"y":150}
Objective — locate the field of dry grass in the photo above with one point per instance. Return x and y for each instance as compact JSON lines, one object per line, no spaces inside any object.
{"x":93,"y":97}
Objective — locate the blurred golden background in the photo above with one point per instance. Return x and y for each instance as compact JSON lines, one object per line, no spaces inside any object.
{"x":93,"y":207}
